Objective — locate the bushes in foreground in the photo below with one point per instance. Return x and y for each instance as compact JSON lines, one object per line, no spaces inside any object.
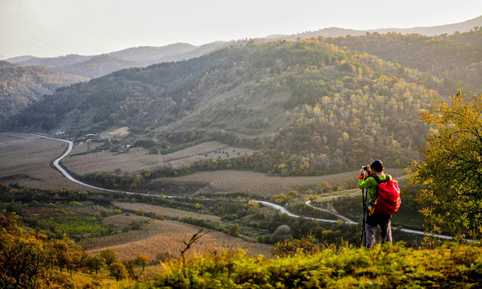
{"x":388,"y":266}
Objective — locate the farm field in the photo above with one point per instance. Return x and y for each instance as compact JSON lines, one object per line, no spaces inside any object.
{"x":262,"y":185}
{"x":165,"y":237}
{"x":123,"y":221}
{"x":26,"y":159}
{"x":199,"y":149}
{"x":164,"y":211}
{"x":136,"y":160}
{"x":114,"y":132}
{"x":222,"y":154}
{"x":84,"y":147}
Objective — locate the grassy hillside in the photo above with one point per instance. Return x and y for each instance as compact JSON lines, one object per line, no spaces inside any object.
{"x":20,"y":86}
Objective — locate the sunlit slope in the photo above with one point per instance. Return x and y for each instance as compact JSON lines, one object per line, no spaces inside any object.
{"x":440,"y":56}
{"x":306,"y":97}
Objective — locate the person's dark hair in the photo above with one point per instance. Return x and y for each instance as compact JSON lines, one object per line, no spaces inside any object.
{"x":377,"y":166}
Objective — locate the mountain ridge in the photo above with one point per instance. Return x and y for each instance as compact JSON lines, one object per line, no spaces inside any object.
{"x":148,"y":55}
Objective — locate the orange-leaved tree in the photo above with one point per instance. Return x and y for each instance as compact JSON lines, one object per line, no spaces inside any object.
{"x":451,"y":174}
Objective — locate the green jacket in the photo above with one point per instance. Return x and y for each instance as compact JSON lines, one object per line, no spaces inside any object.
{"x":371,"y":184}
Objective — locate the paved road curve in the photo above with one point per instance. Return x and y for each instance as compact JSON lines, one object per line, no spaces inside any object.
{"x":268,"y":204}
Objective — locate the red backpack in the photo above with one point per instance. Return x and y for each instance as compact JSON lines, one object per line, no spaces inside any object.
{"x":388,"y":196}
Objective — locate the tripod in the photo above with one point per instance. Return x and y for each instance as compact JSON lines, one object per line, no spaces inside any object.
{"x":365,"y":211}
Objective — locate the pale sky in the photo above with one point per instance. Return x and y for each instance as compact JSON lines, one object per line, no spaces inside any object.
{"x":49,"y":28}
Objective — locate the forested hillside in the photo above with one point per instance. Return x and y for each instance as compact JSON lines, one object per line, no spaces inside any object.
{"x":442,"y":57}
{"x":21,"y":86}
{"x":473,"y":37}
{"x":322,"y":107}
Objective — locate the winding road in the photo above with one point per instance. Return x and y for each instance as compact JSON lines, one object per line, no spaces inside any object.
{"x":265,"y":203}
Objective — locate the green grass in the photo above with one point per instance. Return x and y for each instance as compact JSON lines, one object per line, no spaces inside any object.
{"x":76,"y":226}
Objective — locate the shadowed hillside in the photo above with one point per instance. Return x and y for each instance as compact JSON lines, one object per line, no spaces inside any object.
{"x":21,"y":86}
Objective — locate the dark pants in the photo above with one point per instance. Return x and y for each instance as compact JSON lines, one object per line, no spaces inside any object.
{"x":372,"y":222}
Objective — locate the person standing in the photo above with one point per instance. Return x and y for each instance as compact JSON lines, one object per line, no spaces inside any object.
{"x":370,"y":177}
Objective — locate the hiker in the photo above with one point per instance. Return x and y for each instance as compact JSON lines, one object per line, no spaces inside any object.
{"x":380,"y":209}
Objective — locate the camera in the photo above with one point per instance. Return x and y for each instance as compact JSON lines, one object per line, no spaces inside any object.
{"x":366,"y":168}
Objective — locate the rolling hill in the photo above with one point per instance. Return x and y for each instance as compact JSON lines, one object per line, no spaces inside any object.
{"x":473,"y":37}
{"x":440,"y":56}
{"x":98,"y":66}
{"x":322,"y":105}
{"x":449,"y":29}
{"x":54,"y":61}
{"x":21,"y":86}
{"x":148,"y":53}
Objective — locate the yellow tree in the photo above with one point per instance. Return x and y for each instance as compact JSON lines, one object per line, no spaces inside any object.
{"x":451,"y":174}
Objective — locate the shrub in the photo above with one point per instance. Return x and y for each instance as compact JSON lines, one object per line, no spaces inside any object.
{"x":282,"y":230}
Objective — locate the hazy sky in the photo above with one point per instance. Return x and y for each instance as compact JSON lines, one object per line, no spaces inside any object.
{"x":59,"y":27}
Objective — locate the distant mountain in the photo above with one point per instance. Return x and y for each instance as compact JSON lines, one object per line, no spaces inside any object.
{"x":325,"y":32}
{"x":55,"y":61}
{"x":19,"y":58}
{"x":148,"y":53}
{"x":21,"y":86}
{"x":199,"y":51}
{"x":98,"y":66}
{"x":429,"y":31}
{"x":436,"y":30}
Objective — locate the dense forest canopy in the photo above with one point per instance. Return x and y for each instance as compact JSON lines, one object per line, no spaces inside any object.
{"x":21,"y":86}
{"x":442,"y":57}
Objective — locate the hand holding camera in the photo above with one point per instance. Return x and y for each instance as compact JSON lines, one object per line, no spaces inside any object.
{"x":365,"y":170}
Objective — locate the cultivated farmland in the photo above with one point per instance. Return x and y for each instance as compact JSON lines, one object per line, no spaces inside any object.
{"x":199,"y":149}
{"x":261,"y":184}
{"x":83,"y":147}
{"x":123,"y":221}
{"x":138,"y":159}
{"x":165,"y":237}
{"x":25,"y":158}
{"x":221,"y":154}
{"x":165,"y":211}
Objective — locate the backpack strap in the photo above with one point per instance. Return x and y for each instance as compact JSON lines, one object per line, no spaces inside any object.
{"x":377,"y":178}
